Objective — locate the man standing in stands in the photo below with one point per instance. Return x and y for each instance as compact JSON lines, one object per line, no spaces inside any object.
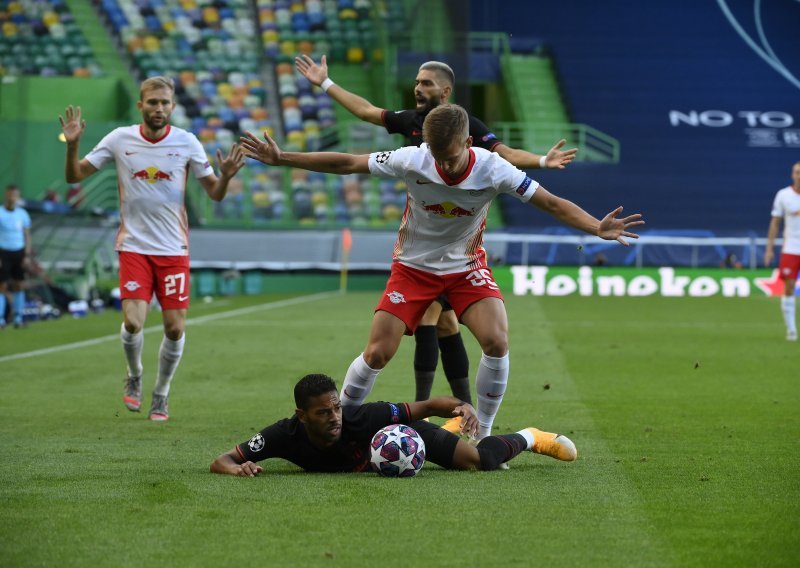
{"x":786,"y":208}
{"x":433,"y":86}
{"x":153,"y":161}
{"x":15,"y":248}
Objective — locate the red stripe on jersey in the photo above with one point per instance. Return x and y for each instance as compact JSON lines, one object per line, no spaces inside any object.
{"x":402,"y":232}
{"x":166,"y":133}
{"x":241,"y":455}
{"x":383,"y":118}
{"x":475,"y":251}
{"x":121,"y":231}
{"x":450,"y":181}
{"x":184,"y":216}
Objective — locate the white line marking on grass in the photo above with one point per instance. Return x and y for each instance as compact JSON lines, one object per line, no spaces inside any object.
{"x":191,"y":321}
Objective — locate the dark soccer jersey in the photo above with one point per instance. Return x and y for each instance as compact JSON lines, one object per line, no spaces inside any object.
{"x":288,"y":439}
{"x":409,"y":124}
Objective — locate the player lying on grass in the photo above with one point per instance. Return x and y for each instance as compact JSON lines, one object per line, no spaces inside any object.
{"x":323,"y":436}
{"x":439,"y":248}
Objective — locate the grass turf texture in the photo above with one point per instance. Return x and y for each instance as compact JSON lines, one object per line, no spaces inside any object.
{"x":684,"y":412}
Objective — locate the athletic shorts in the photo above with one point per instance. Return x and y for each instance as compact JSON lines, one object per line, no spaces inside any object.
{"x":446,"y":307}
{"x":12,"y":265}
{"x":440,"y":445}
{"x":789,"y":266}
{"x":142,"y":274}
{"x":409,"y":292}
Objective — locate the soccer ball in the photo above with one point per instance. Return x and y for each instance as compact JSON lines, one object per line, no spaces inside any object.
{"x":397,"y":451}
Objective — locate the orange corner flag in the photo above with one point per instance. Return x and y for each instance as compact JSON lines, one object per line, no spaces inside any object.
{"x":347,"y":240}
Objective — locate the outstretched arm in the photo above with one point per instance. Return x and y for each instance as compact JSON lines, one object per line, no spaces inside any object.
{"x":446,"y":407}
{"x":268,"y":152}
{"x":215,"y":187}
{"x":769,"y":252}
{"x":317,"y":74}
{"x":609,"y":228}
{"x":229,"y":464}
{"x":73,"y":126}
{"x":555,"y":158}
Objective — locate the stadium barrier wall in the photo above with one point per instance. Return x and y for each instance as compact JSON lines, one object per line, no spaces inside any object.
{"x":555,"y":281}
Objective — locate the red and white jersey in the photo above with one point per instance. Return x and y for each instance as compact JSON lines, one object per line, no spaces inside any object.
{"x":442,"y":227}
{"x":151,"y":177}
{"x":787,"y":205}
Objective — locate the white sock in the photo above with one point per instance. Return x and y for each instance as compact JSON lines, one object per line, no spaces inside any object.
{"x":132,"y":344}
{"x":788,"y":308}
{"x":490,"y":384}
{"x":169,"y":355}
{"x":528,"y":435}
{"x":358,"y":382}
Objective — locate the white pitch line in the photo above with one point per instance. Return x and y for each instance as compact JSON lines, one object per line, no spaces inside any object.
{"x":193,"y":321}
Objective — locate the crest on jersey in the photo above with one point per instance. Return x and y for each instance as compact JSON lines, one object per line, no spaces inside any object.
{"x":151,"y":175}
{"x":382,"y":157}
{"x":132,"y":285}
{"x":256,"y":443}
{"x":396,"y":298}
{"x":448,"y":210}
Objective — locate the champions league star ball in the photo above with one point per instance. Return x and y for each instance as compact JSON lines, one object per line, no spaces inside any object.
{"x":397,"y":451}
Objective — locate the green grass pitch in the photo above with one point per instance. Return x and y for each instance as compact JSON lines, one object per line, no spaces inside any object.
{"x":684,"y":411}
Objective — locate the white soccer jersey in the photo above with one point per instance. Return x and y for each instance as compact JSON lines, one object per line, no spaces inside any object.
{"x":442,"y":227}
{"x":787,"y":205}
{"x":151,"y":176}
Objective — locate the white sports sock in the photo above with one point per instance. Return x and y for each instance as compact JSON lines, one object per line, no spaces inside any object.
{"x":528,"y":435}
{"x":132,"y":344}
{"x":490,"y":384}
{"x":358,"y":382}
{"x":169,"y":355}
{"x":788,"y":308}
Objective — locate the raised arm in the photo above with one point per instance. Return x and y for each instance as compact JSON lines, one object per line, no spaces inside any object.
{"x":609,"y":228}
{"x":446,"y":407}
{"x":317,"y":74}
{"x":215,"y":187}
{"x":268,"y":152}
{"x":73,"y":126}
{"x":230,"y":464}
{"x":555,"y":158}
{"x":769,"y":252}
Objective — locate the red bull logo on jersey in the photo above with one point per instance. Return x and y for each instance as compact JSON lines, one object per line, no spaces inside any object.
{"x":448,"y":210}
{"x":151,"y":175}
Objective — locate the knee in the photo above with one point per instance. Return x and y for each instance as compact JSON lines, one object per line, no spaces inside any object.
{"x":173,"y":330}
{"x":132,"y":326}
{"x":377,"y":356}
{"x":447,"y":324}
{"x":495,"y":346}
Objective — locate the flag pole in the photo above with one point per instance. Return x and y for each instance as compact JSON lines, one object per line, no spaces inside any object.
{"x":347,"y":244}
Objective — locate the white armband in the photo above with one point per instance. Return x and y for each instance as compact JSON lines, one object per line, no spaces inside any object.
{"x":542,"y":161}
{"x":327,"y":84}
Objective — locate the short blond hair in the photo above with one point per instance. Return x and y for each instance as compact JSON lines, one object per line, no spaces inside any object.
{"x":445,"y":124}
{"x":158,"y":82}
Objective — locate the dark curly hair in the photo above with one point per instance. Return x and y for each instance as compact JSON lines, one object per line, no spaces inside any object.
{"x":312,"y":386}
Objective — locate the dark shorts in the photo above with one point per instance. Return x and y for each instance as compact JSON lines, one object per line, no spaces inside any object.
{"x":440,"y":445}
{"x":11,"y":265}
{"x":446,"y":307}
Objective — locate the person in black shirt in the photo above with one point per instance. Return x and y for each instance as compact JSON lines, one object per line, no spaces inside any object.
{"x":324,"y":437}
{"x":433,"y":86}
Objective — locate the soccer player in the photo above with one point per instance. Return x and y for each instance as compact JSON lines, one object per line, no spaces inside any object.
{"x":439,"y":246}
{"x":433,"y":86}
{"x":15,"y":246}
{"x":153,"y":161}
{"x":786,"y":208}
{"x":324,"y":437}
